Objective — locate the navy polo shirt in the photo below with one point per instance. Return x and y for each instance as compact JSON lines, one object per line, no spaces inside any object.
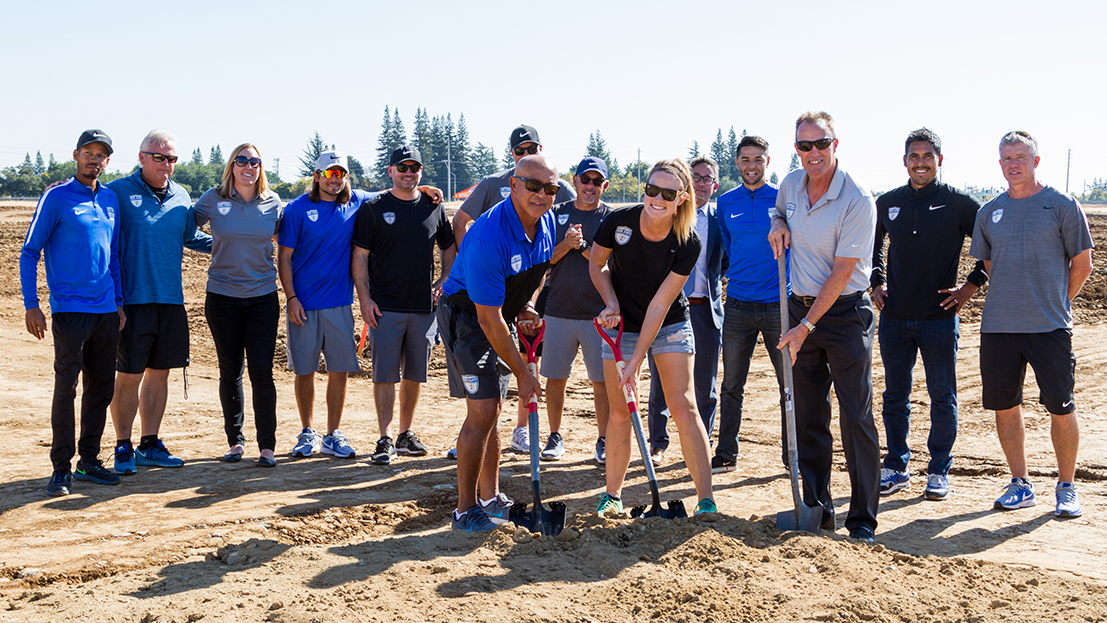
{"x":744,"y":220}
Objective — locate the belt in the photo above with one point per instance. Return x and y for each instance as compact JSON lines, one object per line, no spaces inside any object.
{"x":808,"y":301}
{"x":698,"y":300}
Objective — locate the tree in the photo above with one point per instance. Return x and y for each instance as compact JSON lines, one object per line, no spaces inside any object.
{"x":721,"y":155}
{"x":40,"y":165}
{"x":462,"y":156}
{"x":216,"y":157}
{"x":442,"y":128}
{"x":508,"y":159}
{"x":694,"y":150}
{"x":774,"y":179}
{"x":52,"y":164}
{"x":484,"y":162}
{"x":423,"y":140}
{"x":197,"y":156}
{"x":392,"y":136}
{"x":795,"y":164}
{"x":732,"y":149}
{"x":314,"y":149}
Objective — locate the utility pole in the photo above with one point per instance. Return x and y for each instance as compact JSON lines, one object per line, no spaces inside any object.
{"x":638,"y":175}
{"x":449,"y":170}
{"x":277,"y":163}
{"x":1068,"y":168}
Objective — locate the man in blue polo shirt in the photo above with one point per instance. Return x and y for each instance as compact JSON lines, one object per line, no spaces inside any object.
{"x":74,"y":226}
{"x":492,"y":283}
{"x":752,"y":292}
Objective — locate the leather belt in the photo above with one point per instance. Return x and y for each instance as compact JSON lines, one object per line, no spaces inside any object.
{"x":808,"y":301}
{"x":697,"y":300}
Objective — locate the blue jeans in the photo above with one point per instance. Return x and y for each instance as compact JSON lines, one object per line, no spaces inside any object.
{"x":900,"y":342}
{"x":705,"y":372}
{"x":742,"y":322}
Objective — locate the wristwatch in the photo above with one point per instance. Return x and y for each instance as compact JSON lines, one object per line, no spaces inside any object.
{"x":807,"y":323}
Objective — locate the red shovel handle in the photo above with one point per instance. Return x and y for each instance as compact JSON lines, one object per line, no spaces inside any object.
{"x":620,"y":364}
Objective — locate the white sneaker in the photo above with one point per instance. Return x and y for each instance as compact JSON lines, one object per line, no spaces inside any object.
{"x":308,"y":443}
{"x":520,"y":440}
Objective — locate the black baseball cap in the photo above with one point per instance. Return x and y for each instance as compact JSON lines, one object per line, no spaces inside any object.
{"x":403,"y":153}
{"x":524,"y":134}
{"x":95,"y":136}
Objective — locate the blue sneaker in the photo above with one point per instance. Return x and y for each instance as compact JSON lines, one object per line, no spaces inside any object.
{"x":1068,"y":501}
{"x":497,"y":508}
{"x":892,"y":481}
{"x":60,"y":483}
{"x":157,"y":456}
{"x":308,"y":442}
{"x":609,"y":505}
{"x":937,"y":487}
{"x":338,"y":445}
{"x":95,"y":472}
{"x":555,"y":448}
{"x":706,"y":505}
{"x":601,"y":451}
{"x":1018,"y":494}
{"x":125,"y":459}
{"x":472,"y":520}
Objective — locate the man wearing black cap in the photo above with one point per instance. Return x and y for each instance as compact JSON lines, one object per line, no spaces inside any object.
{"x":397,"y":293}
{"x":74,"y":226}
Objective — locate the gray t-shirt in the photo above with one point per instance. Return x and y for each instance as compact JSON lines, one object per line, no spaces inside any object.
{"x":842,"y":223}
{"x":242,"y":242}
{"x":494,"y":189}
{"x":572,"y":295}
{"x":1031,"y":243}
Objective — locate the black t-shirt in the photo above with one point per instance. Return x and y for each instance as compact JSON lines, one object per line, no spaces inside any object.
{"x":400,"y":236}
{"x":572,"y":295}
{"x":639,"y":266}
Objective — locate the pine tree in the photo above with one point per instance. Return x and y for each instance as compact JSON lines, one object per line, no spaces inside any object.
{"x":384,"y":149}
{"x":774,"y":179}
{"x":732,"y":149}
{"x":216,"y":157}
{"x":795,"y":164}
{"x":423,"y":140}
{"x":197,"y":156}
{"x":442,"y":130}
{"x":597,"y":148}
{"x":694,"y":150}
{"x":314,"y":149}
{"x":52,"y":163}
{"x":724,"y":158}
{"x":399,"y":134}
{"x":463,"y":156}
{"x":40,"y":164}
{"x":484,"y":162}
{"x":508,"y":160}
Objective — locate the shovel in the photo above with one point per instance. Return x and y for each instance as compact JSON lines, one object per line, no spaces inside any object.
{"x":802,"y":517}
{"x":675,"y":508}
{"x":545,"y":521}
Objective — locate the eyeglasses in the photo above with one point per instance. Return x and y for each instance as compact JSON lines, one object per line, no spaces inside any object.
{"x":519,"y":151}
{"x":329,"y":173}
{"x":820,"y":144}
{"x":160,"y":158}
{"x":404,"y":168}
{"x":702,"y":179}
{"x":535,"y":186}
{"x":668,"y":194}
{"x":596,"y":180}
{"x":242,"y":161}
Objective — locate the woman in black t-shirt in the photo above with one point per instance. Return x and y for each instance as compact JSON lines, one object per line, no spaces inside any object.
{"x":652,"y":249}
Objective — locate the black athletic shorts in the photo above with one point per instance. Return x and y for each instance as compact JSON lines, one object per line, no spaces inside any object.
{"x":155,"y":336}
{"x":1003,"y":359}
{"x":474,"y":369}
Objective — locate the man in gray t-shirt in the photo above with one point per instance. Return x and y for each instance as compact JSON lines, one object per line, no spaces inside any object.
{"x":1037,"y":249}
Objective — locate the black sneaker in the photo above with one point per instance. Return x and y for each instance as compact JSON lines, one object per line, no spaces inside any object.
{"x":385,"y":452}
{"x":407,"y":443}
{"x":864,"y":534}
{"x":95,"y":472}
{"x":720,"y":465}
{"x":59,"y":483}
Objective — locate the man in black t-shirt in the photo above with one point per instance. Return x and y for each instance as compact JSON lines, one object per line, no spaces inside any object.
{"x":397,"y":293}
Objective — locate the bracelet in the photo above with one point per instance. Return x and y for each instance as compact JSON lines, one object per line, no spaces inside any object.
{"x":290,"y":298}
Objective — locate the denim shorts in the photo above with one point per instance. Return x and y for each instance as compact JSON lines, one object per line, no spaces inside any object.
{"x":673,"y":338}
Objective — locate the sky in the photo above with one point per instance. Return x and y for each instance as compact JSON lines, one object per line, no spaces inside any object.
{"x":650,"y":76}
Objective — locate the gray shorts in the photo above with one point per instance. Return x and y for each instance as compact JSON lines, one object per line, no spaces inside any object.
{"x":329,"y":331}
{"x":402,"y":341}
{"x":562,"y":338}
{"x":671,"y":338}
{"x":475,"y":370}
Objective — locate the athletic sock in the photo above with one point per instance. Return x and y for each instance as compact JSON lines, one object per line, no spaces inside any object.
{"x":119,"y":442}
{"x":147,"y":442}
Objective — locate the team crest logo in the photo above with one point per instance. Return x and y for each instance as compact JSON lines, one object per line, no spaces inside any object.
{"x":471,"y":383}
{"x":996,"y":215}
{"x":313,"y":215}
{"x":505,"y":191}
{"x":111,"y":212}
{"x":622,"y":234}
{"x":791,"y":209}
{"x":772,"y":212}
{"x":136,"y":201}
{"x":389,"y":217}
{"x":224,"y":207}
{"x":516,"y":263}
{"x":893,"y":213}
{"x":562,"y":219}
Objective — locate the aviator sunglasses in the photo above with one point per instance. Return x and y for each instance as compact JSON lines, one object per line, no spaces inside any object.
{"x":535,"y":186}
{"x":160,"y":158}
{"x":668,"y":194}
{"x":820,"y":144}
{"x":243,"y":161}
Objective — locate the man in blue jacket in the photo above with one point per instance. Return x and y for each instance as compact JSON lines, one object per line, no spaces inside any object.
{"x":74,"y":226}
{"x":155,"y":225}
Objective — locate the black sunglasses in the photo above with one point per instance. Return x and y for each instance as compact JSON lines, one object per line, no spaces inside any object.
{"x":519,"y":151}
{"x":159,"y":158}
{"x":820,"y":144}
{"x":668,"y":194}
{"x":243,"y":161}
{"x":596,"y":180}
{"x":404,"y":168}
{"x":535,"y":186}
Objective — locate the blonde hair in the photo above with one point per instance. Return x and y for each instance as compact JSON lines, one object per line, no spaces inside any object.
{"x":226,"y":187}
{"x":684,"y":221}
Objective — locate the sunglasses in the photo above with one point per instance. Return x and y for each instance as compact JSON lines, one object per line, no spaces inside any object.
{"x":668,"y":194}
{"x":243,"y":161}
{"x":404,"y":168}
{"x":160,"y":158}
{"x":519,"y":151}
{"x":596,"y":181}
{"x":535,"y":186}
{"x":820,"y":144}
{"x":329,"y":173}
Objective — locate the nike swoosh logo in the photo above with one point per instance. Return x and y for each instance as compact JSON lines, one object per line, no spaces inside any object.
{"x":672,"y":250}
{"x":854,"y":246}
{"x":737,"y":215}
{"x":1067,"y":404}
{"x":937,"y":207}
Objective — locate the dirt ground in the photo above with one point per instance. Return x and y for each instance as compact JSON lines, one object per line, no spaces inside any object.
{"x":326,"y":539}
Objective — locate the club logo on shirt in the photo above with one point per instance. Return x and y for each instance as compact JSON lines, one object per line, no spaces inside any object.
{"x":622,"y":234}
{"x":505,"y":191}
{"x":562,"y":219}
{"x":111,"y":212}
{"x":772,"y":212}
{"x":136,"y":201}
{"x":313,"y":215}
{"x":224,"y":207}
{"x":471,"y":382}
{"x":389,"y":217}
{"x":997,"y":214}
{"x":790,"y":208}
{"x":893,"y":213}
{"x":516,"y":263}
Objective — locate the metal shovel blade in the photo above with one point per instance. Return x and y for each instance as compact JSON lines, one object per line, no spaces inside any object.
{"x":675,"y":510}
{"x":548,"y":521}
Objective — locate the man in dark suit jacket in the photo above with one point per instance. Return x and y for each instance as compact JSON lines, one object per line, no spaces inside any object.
{"x":705,"y":298}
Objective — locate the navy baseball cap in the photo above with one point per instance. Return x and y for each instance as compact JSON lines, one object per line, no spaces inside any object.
{"x":592,"y":163}
{"x":524,"y":134}
{"x":95,"y":136}
{"x":403,"y":153}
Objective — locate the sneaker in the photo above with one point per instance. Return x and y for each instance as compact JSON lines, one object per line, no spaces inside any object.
{"x":125,"y":459}
{"x":864,"y":534}
{"x":308,"y":442}
{"x":452,"y":453}
{"x":497,"y":508}
{"x":385,"y":452}
{"x":706,"y":505}
{"x":337,"y":444}
{"x":158,"y":456}
{"x":609,"y":505}
{"x":937,"y":487}
{"x":601,"y":451}
{"x":60,"y":483}
{"x":472,"y":520}
{"x":1018,"y":494}
{"x":657,"y":456}
{"x":1068,"y":501}
{"x":555,"y":448}
{"x":520,"y":440}
{"x":892,"y":481}
{"x":407,"y":443}
{"x":95,"y":472}
{"x":721,"y":465}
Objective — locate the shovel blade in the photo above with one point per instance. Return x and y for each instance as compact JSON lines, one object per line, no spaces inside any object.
{"x":548,"y":521}
{"x":674,"y":509}
{"x":802,"y":517}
